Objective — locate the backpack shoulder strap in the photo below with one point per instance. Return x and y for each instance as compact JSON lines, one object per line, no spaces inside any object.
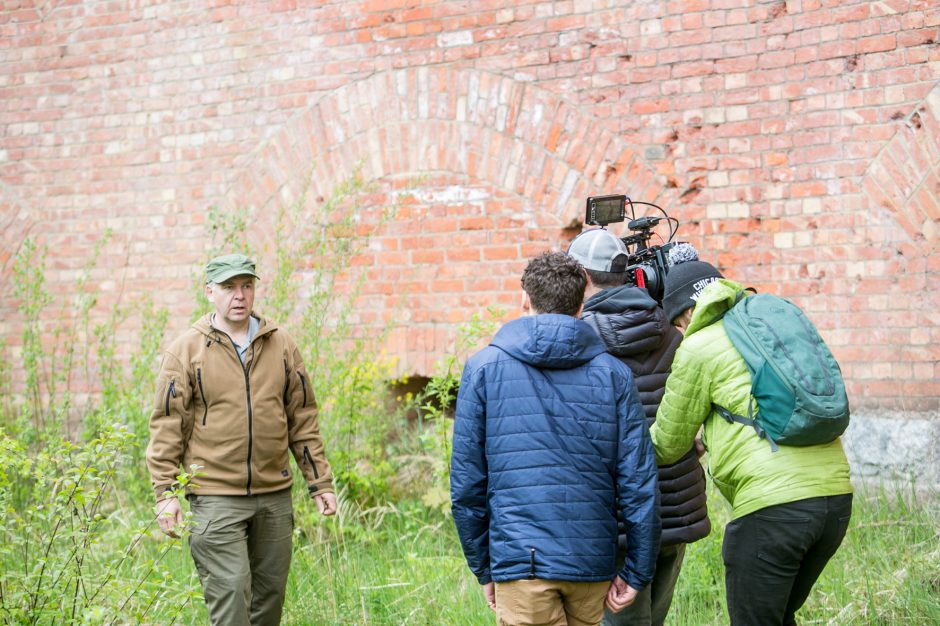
{"x":731,"y":418}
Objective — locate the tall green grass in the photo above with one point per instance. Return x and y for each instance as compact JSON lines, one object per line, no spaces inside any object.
{"x":887,"y":570}
{"x":403,"y":566}
{"x":79,"y":540}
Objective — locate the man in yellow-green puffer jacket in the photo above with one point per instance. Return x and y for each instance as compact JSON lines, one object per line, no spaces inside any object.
{"x":790,"y":508}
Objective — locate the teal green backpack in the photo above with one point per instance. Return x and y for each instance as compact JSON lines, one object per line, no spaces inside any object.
{"x":795,"y":380}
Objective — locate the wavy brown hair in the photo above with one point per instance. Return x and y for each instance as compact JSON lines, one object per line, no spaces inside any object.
{"x":555,"y":283}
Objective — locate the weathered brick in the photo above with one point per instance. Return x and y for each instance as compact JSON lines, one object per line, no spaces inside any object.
{"x":782,"y":117}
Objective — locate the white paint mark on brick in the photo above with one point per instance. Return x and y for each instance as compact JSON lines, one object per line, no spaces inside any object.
{"x":458,"y":38}
{"x":571,"y":178}
{"x":783,"y":240}
{"x":737,"y":80}
{"x":375,"y":153}
{"x":736,"y":113}
{"x":502,"y":113}
{"x":812,"y":205}
{"x":453,"y":194}
{"x":537,"y":113}
{"x":423,"y":93}
{"x":473,"y":94}
{"x":714,"y":115}
{"x":855,"y":269}
{"x":716,"y":211}
{"x":651,"y":27}
{"x":718,"y":179}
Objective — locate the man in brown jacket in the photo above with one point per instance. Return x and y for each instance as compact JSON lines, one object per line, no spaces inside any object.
{"x":233,"y":398}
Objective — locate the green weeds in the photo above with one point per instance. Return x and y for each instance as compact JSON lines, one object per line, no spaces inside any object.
{"x":79,"y":540}
{"x":66,"y":554}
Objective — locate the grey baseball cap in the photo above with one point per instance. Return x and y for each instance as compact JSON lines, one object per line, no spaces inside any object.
{"x":599,"y":250}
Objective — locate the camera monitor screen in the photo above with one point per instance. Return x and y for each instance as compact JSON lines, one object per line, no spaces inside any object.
{"x":605,"y":209}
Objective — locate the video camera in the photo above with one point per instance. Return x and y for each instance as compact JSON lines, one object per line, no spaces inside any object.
{"x":646,"y":265}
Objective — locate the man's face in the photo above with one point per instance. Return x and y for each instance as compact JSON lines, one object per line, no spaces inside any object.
{"x":233,"y":298}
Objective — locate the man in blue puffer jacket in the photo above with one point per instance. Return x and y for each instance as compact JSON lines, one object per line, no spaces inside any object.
{"x":550,"y":442}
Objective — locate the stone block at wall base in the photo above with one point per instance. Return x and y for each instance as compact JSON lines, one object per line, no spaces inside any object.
{"x":895,"y":448}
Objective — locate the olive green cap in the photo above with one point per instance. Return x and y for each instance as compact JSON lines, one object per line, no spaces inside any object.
{"x":221,"y":268}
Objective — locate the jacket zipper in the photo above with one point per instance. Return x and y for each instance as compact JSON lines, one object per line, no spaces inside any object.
{"x":171,"y":391}
{"x":316,"y":474}
{"x":202,"y":394}
{"x":248,"y":398}
{"x":303,"y":385}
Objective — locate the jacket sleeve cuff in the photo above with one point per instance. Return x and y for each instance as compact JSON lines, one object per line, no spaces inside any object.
{"x":320,"y":486}
{"x":484,"y":579}
{"x":631,"y":580}
{"x":160,"y":490}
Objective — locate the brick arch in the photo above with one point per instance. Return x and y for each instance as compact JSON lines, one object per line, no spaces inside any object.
{"x":522,"y":146}
{"x":904,"y":178}
{"x":16,"y":222}
{"x":391,"y":123}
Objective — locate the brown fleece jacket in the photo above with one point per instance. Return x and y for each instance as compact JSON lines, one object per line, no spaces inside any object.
{"x":236,"y":422}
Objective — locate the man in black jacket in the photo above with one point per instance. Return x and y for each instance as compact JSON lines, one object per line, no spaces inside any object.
{"x":634,"y":329}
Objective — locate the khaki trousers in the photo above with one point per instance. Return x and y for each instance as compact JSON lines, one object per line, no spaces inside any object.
{"x":535,"y":602}
{"x":241,"y":546}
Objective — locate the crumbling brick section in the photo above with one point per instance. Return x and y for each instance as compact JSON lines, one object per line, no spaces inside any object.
{"x":905,"y":176}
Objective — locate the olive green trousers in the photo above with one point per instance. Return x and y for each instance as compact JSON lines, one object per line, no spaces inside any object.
{"x":241,"y":546}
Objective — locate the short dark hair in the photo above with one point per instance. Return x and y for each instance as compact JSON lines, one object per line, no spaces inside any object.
{"x":606,"y":280}
{"x":555,"y":283}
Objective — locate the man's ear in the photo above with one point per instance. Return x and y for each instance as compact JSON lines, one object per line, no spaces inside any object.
{"x":526,"y":304}
{"x":208,"y":292}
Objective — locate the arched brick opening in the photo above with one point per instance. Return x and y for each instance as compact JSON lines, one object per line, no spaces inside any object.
{"x":502,"y":168}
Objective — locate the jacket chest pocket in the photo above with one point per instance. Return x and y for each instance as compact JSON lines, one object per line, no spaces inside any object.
{"x":298,"y":378}
{"x":201,"y":395}
{"x":169,"y":396}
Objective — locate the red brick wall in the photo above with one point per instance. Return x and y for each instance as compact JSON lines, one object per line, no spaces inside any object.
{"x":797,"y":142}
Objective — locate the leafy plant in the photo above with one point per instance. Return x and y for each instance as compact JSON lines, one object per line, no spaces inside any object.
{"x":436,"y":401}
{"x":55,"y":513}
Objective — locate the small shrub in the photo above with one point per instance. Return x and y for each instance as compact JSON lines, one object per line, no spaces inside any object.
{"x":59,"y":562}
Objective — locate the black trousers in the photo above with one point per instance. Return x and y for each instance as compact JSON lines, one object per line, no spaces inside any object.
{"x":774,"y":556}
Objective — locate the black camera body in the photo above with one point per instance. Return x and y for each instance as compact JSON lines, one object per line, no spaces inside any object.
{"x":647,"y":265}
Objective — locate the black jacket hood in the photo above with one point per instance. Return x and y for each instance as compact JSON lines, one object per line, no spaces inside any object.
{"x":627,"y":319}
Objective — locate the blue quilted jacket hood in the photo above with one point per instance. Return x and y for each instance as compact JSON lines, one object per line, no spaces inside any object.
{"x":550,"y":442}
{"x":549,"y":341}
